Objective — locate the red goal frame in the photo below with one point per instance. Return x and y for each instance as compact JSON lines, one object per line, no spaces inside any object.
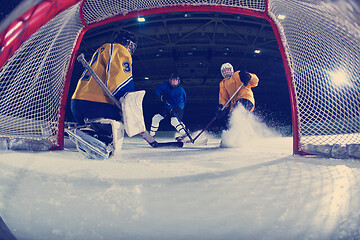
{"x":28,"y":23}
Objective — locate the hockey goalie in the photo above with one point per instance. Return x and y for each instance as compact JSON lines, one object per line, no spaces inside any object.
{"x":105,"y":90}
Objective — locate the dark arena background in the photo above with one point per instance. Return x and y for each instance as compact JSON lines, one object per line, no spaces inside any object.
{"x":194,"y":45}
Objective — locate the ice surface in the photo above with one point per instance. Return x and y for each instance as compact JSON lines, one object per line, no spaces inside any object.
{"x":195,"y":192}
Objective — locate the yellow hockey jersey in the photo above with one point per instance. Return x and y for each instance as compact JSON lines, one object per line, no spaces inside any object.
{"x":229,"y":86}
{"x":112,"y":62}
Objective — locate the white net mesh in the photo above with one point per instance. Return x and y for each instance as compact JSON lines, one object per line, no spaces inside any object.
{"x":32,"y":80}
{"x":95,"y":10}
{"x":321,"y":41}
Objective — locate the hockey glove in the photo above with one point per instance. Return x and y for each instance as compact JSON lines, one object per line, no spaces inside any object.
{"x":164,"y":97}
{"x":244,"y":77}
{"x":175,"y":111}
{"x":219,"y":112}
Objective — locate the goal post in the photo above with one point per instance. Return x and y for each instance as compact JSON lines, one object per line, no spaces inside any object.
{"x":318,"y":41}
{"x":36,"y":55}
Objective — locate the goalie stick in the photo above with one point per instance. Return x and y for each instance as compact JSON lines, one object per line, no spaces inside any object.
{"x":215,"y":117}
{"x":145,"y":134}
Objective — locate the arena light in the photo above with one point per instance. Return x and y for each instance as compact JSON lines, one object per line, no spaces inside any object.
{"x":141,"y":19}
{"x":338,"y":77}
{"x":257,"y":51}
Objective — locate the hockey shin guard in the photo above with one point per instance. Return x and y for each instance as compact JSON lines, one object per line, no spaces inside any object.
{"x":180,"y":127}
{"x":155,"y":124}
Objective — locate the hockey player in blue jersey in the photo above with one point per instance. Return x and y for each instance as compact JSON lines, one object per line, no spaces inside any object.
{"x":173,"y":95}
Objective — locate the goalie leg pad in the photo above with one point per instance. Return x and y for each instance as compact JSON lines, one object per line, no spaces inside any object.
{"x":111,"y":131}
{"x":118,"y":136}
{"x":101,"y":138}
{"x":90,"y":146}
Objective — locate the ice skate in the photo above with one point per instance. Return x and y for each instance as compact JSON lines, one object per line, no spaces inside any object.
{"x":181,"y":137}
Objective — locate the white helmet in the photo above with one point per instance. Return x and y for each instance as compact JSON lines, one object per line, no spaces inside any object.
{"x":224,"y":73}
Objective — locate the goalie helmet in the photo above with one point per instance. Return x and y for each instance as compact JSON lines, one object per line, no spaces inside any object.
{"x":126,"y":39}
{"x":225,"y":72}
{"x":174,"y":77}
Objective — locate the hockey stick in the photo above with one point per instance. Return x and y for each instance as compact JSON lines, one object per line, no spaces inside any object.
{"x":183,"y":125}
{"x":145,"y":135}
{"x":215,"y":117}
{"x":86,"y":65}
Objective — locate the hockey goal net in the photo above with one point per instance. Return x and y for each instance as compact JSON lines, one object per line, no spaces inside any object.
{"x":318,"y":40}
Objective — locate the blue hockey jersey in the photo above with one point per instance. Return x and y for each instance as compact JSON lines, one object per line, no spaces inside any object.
{"x":176,"y":95}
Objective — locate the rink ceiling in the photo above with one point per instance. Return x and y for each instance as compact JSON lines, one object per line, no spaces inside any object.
{"x":194,"y":45}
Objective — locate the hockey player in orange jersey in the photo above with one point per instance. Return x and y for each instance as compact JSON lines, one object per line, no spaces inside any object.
{"x":229,"y":85}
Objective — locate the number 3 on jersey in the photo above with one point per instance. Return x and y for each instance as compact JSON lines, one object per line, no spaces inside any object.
{"x":127,"y":67}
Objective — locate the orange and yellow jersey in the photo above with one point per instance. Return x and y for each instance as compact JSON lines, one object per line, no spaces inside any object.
{"x":112,"y":62}
{"x":229,"y":86}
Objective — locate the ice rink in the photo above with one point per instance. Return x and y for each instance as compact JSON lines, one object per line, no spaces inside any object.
{"x":254,"y":190}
